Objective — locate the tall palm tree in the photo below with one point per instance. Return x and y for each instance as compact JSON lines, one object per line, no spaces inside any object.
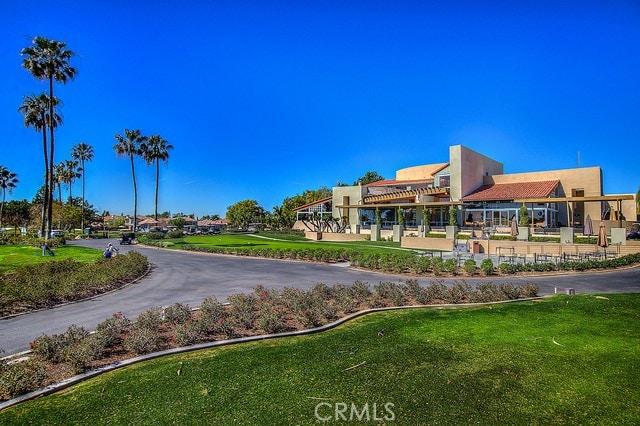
{"x":129,"y":145}
{"x":58,"y":179}
{"x":156,"y":149}
{"x":35,"y":110}
{"x":8,"y":181}
{"x":82,"y":152}
{"x":49,"y":60}
{"x":70,"y":174}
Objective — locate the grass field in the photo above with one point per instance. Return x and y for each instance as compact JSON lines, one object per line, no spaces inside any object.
{"x":565,"y":360}
{"x":13,"y":256}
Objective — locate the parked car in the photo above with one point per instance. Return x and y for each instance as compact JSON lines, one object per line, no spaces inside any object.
{"x":633,"y":236}
{"x":127,"y":238}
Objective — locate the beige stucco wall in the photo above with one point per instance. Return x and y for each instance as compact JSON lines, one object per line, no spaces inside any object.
{"x":419,"y":172}
{"x":468,"y":169}
{"x":332,"y":236}
{"x":355,"y":194}
{"x":445,"y":244}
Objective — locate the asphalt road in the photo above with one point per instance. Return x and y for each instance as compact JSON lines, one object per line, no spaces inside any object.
{"x":190,"y":277}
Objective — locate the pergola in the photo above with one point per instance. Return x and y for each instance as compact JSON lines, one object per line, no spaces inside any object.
{"x":592,"y":199}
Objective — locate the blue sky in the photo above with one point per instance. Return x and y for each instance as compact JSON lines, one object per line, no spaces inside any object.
{"x":264,"y":99}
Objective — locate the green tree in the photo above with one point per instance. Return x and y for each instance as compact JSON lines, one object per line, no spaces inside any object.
{"x":369,"y":177}
{"x":82,"y":152}
{"x":8,"y":181}
{"x":155,"y":150}
{"x":35,"y":110}
{"x":58,"y":178}
{"x":49,"y":60}
{"x":129,"y":146}
{"x":17,"y":213}
{"x":178,"y":222}
{"x":243,"y":213}
{"x":70,"y":173}
{"x":524,"y":216}
{"x":453,"y":215}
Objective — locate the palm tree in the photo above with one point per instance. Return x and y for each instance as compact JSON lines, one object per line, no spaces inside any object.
{"x":49,"y":60}
{"x":129,"y":145}
{"x":155,"y":150}
{"x":82,"y":152}
{"x":35,"y":110}
{"x":8,"y":180}
{"x":58,"y":179}
{"x":70,"y":174}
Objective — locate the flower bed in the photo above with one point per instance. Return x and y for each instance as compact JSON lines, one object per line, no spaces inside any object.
{"x":264,"y":311}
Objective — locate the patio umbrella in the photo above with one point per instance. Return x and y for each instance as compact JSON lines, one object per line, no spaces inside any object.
{"x":514,"y":227}
{"x":588,"y":226}
{"x":602,"y":238}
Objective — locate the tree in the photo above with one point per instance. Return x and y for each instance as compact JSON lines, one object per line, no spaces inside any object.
{"x":369,"y":177}
{"x":17,"y":213}
{"x":58,"y":179}
{"x":453,"y":215}
{"x":524,"y":216}
{"x":82,"y":152}
{"x":8,"y":181}
{"x":155,"y":150}
{"x":35,"y":110}
{"x":130,"y":146}
{"x":49,"y":60}
{"x":178,"y":222}
{"x":69,"y":174}
{"x":243,"y":213}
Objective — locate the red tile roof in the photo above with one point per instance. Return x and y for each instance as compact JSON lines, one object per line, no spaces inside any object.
{"x":511,"y":191}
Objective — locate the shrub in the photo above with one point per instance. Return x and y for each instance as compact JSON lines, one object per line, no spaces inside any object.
{"x":224,"y":327}
{"x":459,"y":292}
{"x":508,"y":268}
{"x":391,"y":291}
{"x":49,"y":348}
{"x":21,"y":377}
{"x":529,"y":290}
{"x":413,"y":289}
{"x":486,"y":292}
{"x":177,"y":313}
{"x":111,"y":329}
{"x":211,"y":311}
{"x":469,"y":267}
{"x":150,"y":319}
{"x":243,"y":309}
{"x":141,"y":340}
{"x":437,"y":265}
{"x":451,"y":265}
{"x":271,"y":321}
{"x":177,"y":233}
{"x":81,"y":353}
{"x":75,"y":334}
{"x":487,"y":266}
{"x":155,"y":235}
{"x":436,"y":291}
{"x":189,"y":332}
{"x":344,"y":298}
{"x":509,"y":291}
{"x":360,"y":291}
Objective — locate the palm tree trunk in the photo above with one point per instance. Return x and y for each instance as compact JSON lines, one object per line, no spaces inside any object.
{"x":157,"y":183}
{"x":135,"y":195}
{"x":60,"y":192}
{"x":47,"y":189}
{"x":51,"y":156}
{"x":82,"y":217}
{"x":4,"y":193}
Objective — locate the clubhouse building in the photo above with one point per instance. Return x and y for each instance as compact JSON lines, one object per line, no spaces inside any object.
{"x":484,"y":196}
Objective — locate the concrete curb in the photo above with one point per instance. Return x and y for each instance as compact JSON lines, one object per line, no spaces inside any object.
{"x":47,"y":390}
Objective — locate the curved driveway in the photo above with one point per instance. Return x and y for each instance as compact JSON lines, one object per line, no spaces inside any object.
{"x":190,"y":277}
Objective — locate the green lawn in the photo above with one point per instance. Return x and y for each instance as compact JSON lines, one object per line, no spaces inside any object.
{"x":279,"y":242}
{"x":13,"y":256}
{"x":563,"y":360}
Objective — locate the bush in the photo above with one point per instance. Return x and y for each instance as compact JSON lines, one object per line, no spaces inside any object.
{"x":459,"y":292}
{"x":175,"y":234}
{"x":469,"y":267}
{"x":486,"y":292}
{"x":189,"y":332}
{"x":49,"y":348}
{"x":436,"y":292}
{"x":529,"y":290}
{"x":211,"y":311}
{"x":243,"y":309}
{"x":509,"y":291}
{"x":391,"y":291}
{"x":141,"y":340}
{"x":21,"y":377}
{"x":155,"y":235}
{"x":487,"y":266}
{"x":508,"y":268}
{"x":110,"y":330}
{"x":177,"y":313}
{"x":271,"y":321}
{"x":150,"y":319}
{"x":451,"y":266}
{"x":81,"y":353}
